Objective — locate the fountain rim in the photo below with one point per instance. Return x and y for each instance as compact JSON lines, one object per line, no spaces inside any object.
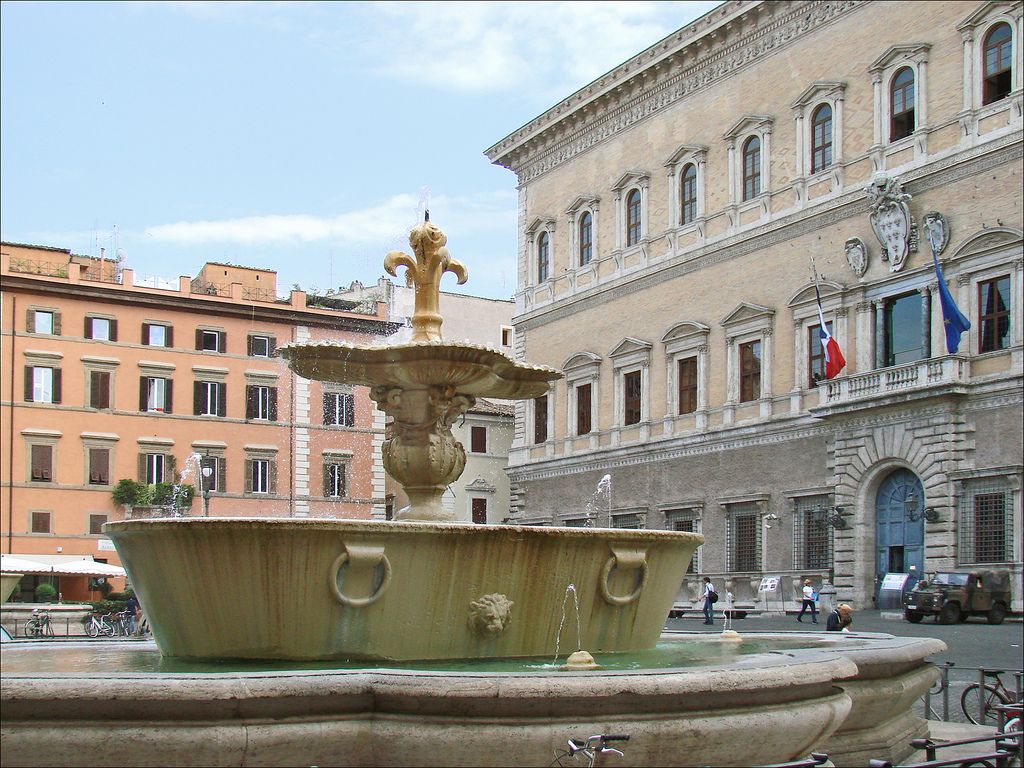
{"x":454,"y":527}
{"x":886,"y":649}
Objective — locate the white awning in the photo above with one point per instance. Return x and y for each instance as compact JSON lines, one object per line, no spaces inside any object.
{"x":87,"y":568}
{"x":11,"y":564}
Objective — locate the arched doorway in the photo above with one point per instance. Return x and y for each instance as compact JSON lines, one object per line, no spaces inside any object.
{"x":899,"y":526}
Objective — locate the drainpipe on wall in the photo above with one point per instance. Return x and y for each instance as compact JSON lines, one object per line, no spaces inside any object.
{"x":291,"y":436}
{"x":10,"y":439}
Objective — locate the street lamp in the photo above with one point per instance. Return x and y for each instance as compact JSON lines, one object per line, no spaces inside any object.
{"x":207,"y":472}
{"x":835,"y":516}
{"x":910,"y":505}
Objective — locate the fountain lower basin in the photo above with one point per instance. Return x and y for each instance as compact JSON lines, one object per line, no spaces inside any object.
{"x":306,"y":589}
{"x":849,"y":695}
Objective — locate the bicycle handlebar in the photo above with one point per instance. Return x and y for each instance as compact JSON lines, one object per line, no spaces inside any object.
{"x":619,"y":737}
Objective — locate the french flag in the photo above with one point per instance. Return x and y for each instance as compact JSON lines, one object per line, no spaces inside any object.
{"x":834,"y":360}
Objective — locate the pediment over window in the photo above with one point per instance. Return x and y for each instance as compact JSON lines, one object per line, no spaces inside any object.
{"x":989,"y":239}
{"x":695,"y":152}
{"x":631,"y":177}
{"x":988,"y":11}
{"x":582,"y":202}
{"x":749,"y":124}
{"x":912,"y":52}
{"x":481,"y":486}
{"x":823,"y":89}
{"x":630,"y":346}
{"x":581,"y":361}
{"x":685,"y":330}
{"x":748,"y":313}
{"x":827,"y":288}
{"x":539,"y":223}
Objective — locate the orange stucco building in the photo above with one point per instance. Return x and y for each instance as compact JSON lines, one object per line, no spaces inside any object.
{"x":103,"y":379}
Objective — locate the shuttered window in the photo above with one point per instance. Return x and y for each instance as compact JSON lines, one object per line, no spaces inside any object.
{"x":478,"y":440}
{"x":99,"y":466}
{"x":42,"y":384}
{"x":42,"y":464}
{"x":261,"y":402}
{"x":209,"y":398}
{"x":335,"y":480}
{"x":479,"y":511}
{"x":339,"y":409}
{"x":99,"y":389}
{"x":155,"y":394}
{"x":96,"y":524}
{"x":41,"y":522}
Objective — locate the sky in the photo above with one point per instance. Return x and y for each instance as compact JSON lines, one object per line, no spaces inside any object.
{"x":301,"y":137}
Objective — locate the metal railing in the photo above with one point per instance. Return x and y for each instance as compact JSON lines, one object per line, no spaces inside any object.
{"x":936,"y":699}
{"x":39,"y":267}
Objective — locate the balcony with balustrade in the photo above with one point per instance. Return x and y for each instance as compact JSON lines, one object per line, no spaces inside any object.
{"x":934,"y":377}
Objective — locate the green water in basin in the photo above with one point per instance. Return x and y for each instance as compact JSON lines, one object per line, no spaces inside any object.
{"x":106,"y":657}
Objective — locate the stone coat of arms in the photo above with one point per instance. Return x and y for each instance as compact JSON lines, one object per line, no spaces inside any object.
{"x":892,"y":221}
{"x":857,"y":256}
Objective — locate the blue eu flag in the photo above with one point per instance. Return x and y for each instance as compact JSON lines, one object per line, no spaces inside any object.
{"x":953,"y":320}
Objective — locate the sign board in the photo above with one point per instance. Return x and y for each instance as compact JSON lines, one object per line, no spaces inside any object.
{"x":894,"y":581}
{"x":768,"y":584}
{"x":105,"y":545}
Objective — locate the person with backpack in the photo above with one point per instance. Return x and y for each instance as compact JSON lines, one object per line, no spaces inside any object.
{"x":808,"y":601}
{"x":710,"y":598}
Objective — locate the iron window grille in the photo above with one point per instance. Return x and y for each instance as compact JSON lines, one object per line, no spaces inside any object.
{"x":812,"y":535}
{"x":628,"y":520}
{"x":986,"y":522}
{"x":688,"y":521}
{"x":743,"y":538}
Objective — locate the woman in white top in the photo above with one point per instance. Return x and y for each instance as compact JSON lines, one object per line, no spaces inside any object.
{"x":808,"y":602}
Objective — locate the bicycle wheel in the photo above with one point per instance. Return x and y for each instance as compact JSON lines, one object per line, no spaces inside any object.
{"x":972,"y":711}
{"x":563,"y":759}
{"x":92,"y":629}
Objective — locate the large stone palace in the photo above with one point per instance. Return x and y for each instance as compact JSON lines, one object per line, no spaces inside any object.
{"x":672,"y":217}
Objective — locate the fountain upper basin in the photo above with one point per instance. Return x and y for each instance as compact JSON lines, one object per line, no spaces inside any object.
{"x":304,"y":588}
{"x":471,"y":369}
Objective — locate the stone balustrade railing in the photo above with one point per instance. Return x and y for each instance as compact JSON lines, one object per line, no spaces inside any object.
{"x":948,"y":370}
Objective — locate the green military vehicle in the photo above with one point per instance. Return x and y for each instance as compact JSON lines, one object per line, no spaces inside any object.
{"x":954,"y":596}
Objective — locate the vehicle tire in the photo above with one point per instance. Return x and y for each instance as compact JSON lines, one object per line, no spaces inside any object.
{"x":914,"y":617}
{"x":949,"y":614}
{"x":996,"y":613}
{"x":92,"y":630}
{"x":970,"y":708}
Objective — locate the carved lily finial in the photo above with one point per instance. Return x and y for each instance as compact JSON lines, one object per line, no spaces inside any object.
{"x":424,"y":272}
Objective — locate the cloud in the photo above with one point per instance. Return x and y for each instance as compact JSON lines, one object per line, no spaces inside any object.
{"x":551,"y":47}
{"x":387,"y":221}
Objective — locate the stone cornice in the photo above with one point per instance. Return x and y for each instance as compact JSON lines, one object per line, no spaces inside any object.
{"x":695,"y":57}
{"x":943,"y":171}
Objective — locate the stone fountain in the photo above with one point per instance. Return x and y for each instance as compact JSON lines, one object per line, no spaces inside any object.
{"x":424,"y":586}
{"x":297,"y":592}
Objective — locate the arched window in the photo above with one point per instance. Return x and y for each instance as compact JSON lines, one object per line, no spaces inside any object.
{"x":688,"y":195}
{"x":751,"y":168}
{"x":543,"y":257}
{"x":901,"y":105}
{"x":998,"y":57}
{"x":633,"y":217}
{"x":821,"y":138}
{"x":586,"y":238}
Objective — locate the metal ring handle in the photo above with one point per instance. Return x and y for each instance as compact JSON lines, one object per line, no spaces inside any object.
{"x":621,"y":599}
{"x":358,"y":602}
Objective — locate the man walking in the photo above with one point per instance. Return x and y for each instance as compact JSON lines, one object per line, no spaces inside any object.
{"x":709,"y":610}
{"x":808,"y":602}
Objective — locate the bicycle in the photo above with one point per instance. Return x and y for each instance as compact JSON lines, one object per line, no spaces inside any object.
{"x":39,"y":624}
{"x":99,"y":626}
{"x":121,"y":623}
{"x":589,"y":749}
{"x":981,"y":711}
